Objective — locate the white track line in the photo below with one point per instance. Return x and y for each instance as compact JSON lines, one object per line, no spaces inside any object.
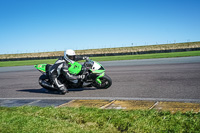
{"x":105,"y":98}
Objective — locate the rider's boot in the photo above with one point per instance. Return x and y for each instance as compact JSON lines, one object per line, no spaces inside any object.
{"x":61,"y":87}
{"x":63,"y":90}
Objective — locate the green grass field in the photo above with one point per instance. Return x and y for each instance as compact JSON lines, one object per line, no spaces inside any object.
{"x":106,"y":58}
{"x":29,"y":119}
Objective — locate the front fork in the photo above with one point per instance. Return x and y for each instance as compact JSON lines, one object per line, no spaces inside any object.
{"x":98,"y":78}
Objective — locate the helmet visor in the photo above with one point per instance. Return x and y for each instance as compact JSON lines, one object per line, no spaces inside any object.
{"x":72,"y":57}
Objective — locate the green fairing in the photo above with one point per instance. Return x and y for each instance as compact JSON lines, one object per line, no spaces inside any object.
{"x":41,"y":67}
{"x":74,"y":68}
{"x":101,"y":72}
{"x":97,"y":71}
{"x":100,"y":65}
{"x":98,"y":78}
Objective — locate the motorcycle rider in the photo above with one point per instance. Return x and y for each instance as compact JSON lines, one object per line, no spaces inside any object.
{"x":61,"y":67}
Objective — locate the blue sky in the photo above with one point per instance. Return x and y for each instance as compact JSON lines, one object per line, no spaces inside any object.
{"x":54,"y":25}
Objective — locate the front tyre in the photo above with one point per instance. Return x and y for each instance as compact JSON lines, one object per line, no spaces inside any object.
{"x":106,"y":82}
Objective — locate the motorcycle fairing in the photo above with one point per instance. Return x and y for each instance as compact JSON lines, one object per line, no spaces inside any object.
{"x":99,"y":70}
{"x":41,"y":67}
{"x":74,"y":68}
{"x":98,"y":78}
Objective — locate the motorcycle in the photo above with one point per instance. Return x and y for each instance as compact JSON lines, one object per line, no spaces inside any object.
{"x":94,"y":76}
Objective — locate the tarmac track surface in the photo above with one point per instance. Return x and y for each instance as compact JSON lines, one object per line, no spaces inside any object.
{"x":173,"y":79}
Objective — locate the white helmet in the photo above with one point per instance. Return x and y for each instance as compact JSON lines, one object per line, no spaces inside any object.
{"x":69,"y":55}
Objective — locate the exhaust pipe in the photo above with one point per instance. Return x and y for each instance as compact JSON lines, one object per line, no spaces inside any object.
{"x":45,"y":84}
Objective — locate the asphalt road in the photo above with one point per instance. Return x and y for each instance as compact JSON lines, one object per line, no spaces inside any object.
{"x":171,"y":79}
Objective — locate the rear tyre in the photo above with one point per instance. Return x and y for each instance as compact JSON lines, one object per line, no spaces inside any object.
{"x":45,"y":79}
{"x":106,"y":82}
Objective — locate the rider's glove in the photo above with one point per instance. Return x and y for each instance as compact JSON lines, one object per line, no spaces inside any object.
{"x":85,"y":58}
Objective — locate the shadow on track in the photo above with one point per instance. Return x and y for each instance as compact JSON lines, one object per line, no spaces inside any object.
{"x":42,"y":90}
{"x":45,"y":91}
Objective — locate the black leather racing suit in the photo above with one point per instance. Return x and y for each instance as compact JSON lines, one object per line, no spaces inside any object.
{"x":60,"y":67}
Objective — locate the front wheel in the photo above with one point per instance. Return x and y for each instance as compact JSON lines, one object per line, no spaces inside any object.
{"x":106,"y":82}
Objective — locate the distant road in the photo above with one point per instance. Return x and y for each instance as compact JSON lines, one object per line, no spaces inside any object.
{"x":170,"y":79}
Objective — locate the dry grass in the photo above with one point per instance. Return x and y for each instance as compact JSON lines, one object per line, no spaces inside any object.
{"x":108,"y":50}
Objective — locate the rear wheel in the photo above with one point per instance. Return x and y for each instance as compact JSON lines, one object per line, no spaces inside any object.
{"x":106,"y":82}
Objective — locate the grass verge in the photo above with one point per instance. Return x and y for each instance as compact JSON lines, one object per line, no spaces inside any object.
{"x":106,"y":58}
{"x":49,"y":119}
{"x":26,"y":62}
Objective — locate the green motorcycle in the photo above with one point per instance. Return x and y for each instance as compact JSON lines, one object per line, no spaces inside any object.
{"x":94,"y":75}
